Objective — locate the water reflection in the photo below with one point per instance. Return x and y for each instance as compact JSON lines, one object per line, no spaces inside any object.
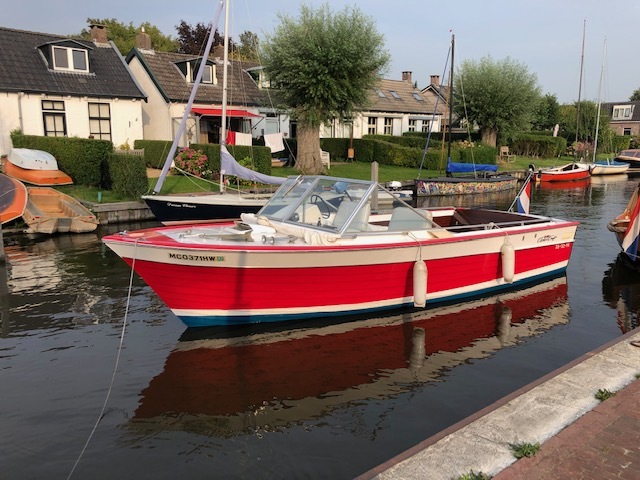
{"x":621,"y":292}
{"x":224,"y":382}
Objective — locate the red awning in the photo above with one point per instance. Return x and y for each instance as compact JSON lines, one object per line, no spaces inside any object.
{"x":217,"y":112}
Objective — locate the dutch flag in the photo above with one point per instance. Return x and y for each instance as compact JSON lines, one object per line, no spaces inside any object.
{"x":524,"y":197}
{"x":630,"y":240}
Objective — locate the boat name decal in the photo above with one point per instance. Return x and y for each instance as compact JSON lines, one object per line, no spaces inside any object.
{"x":547,"y":238}
{"x":563,"y":245}
{"x":180,"y":205}
{"x":200,"y":258}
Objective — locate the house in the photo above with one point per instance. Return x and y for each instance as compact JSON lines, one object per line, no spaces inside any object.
{"x":52,"y":85}
{"x":625,"y":117}
{"x":168,"y":79}
{"x":393,"y":107}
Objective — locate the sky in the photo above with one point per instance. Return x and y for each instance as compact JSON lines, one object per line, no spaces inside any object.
{"x":546,"y":36}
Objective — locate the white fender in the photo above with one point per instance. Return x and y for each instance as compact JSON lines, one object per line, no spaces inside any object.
{"x":419,"y":283}
{"x":508,"y":254}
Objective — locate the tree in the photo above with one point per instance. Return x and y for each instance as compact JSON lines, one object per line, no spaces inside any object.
{"x":248,"y":48}
{"x":547,"y":114}
{"x":191,"y":40}
{"x":124,"y":36}
{"x":635,"y":96}
{"x":323,"y":66}
{"x":500,"y":97}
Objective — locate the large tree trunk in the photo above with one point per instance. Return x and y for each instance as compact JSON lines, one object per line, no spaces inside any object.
{"x":489,"y":136}
{"x":308,"y":160}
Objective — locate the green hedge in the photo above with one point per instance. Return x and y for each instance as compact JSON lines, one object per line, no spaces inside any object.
{"x":127,"y":174}
{"x":537,"y":146}
{"x":82,"y":159}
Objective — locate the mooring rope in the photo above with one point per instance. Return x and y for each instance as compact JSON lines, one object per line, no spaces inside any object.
{"x":115,"y":367}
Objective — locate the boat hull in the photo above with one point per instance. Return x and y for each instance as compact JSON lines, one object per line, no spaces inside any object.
{"x":13,"y":198}
{"x":563,"y":174}
{"x":178,"y":209}
{"x":463,"y":186}
{"x":268,"y":283}
{"x":42,"y":178}
{"x":609,"y":169}
{"x":49,"y":211}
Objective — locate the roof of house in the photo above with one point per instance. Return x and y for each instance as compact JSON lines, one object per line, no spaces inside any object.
{"x":25,"y":69}
{"x":171,"y":83}
{"x":401,"y":96}
{"x":635,"y":116}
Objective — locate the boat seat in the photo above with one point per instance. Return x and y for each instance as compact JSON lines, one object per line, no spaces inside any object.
{"x":406,"y":219}
{"x":359,"y":224}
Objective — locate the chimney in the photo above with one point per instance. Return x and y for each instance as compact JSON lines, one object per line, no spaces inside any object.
{"x":98,"y":33}
{"x":435,"y":80}
{"x":143,"y":40}
{"x":406,"y":76}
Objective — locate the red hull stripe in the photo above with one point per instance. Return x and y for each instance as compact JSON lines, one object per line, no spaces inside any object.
{"x":212,"y":288}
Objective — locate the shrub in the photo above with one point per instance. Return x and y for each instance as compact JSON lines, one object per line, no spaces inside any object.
{"x":128,"y":174}
{"x":194,"y":162}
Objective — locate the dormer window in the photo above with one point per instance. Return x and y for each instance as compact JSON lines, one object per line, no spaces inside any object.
{"x":71,"y":59}
{"x":208,"y":75}
{"x":622,"y":112}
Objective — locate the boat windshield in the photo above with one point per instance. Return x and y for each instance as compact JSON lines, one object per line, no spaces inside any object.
{"x":328,"y":203}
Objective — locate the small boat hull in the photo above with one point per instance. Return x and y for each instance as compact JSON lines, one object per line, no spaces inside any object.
{"x":49,"y":211}
{"x":31,"y":159}
{"x":189,"y":208}
{"x":13,"y":198}
{"x":41,"y":178}
{"x":565,"y":173}
{"x":462,"y":186}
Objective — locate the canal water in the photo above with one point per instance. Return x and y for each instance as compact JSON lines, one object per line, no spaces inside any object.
{"x":327,"y":400}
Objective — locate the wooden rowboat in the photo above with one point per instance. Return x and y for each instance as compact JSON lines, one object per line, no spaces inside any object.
{"x":50,"y":211}
{"x":13,"y":198}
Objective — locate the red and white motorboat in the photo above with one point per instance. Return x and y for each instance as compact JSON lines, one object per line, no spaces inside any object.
{"x":315,"y":249}
{"x":564,"y":173}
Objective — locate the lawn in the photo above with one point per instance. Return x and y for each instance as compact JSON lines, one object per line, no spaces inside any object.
{"x":360,"y":170}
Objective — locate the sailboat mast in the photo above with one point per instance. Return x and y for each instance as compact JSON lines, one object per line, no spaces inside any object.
{"x":225,"y":59}
{"x":584,"y":29}
{"x":595,"y":142}
{"x":187,"y":109}
{"x":451,"y":100}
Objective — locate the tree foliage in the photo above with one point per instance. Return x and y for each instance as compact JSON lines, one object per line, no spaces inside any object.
{"x":124,"y":36}
{"x":635,"y":96}
{"x":499,"y":96}
{"x":323,"y":66}
{"x":248,"y":48}
{"x":192,"y":39}
{"x":547,"y":114}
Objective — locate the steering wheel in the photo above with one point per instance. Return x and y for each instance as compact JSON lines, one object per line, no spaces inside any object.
{"x":323,"y":206}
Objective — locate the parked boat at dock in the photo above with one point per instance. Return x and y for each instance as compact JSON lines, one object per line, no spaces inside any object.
{"x":35,"y":167}
{"x":13,"y":198}
{"x":314,"y":250}
{"x":50,"y":211}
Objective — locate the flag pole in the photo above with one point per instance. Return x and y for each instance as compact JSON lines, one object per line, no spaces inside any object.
{"x":524,"y":185}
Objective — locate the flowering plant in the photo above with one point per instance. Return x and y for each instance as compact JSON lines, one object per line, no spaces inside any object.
{"x":193,"y":162}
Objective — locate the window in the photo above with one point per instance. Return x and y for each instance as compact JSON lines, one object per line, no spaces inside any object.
{"x":627,"y":131}
{"x":394,"y":94}
{"x":417,"y":97}
{"x":100,"y":121}
{"x":426,"y":126}
{"x":388,"y":126}
{"x":622,"y":112}
{"x":380,"y":93}
{"x":70,"y":59}
{"x":412,"y":124}
{"x":208,"y":75}
{"x":372,"y":128}
{"x":54,"y":119}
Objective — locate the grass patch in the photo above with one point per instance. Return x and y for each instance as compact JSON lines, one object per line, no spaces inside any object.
{"x":603,"y":394}
{"x":474,"y":476}
{"x":521,"y":450}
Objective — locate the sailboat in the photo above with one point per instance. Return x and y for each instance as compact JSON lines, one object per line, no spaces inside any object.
{"x":605,"y":167}
{"x":575,"y":170}
{"x":480,"y":178}
{"x":204,"y":207}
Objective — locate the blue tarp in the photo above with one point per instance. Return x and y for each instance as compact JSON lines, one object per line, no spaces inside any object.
{"x":453,"y":167}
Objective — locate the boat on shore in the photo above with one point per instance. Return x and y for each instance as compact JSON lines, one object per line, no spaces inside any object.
{"x":13,"y":198}
{"x":316,"y":249}
{"x":50,"y":211}
{"x":35,"y":167}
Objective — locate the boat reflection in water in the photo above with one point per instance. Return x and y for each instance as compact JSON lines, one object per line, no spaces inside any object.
{"x":621,"y":291}
{"x":259,"y":378}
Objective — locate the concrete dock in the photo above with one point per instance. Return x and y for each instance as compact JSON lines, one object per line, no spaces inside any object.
{"x":579,"y":436}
